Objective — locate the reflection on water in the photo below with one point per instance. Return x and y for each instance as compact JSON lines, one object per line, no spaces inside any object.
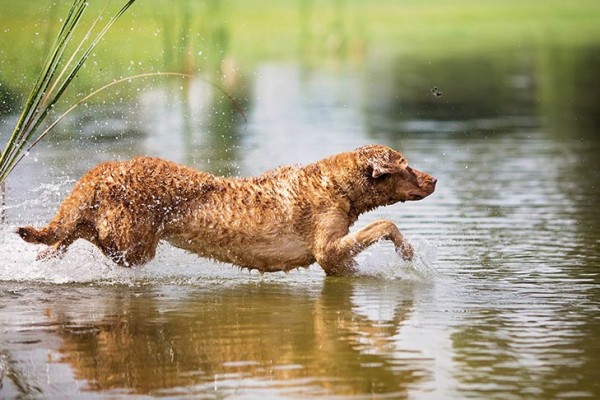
{"x":242,"y":337}
{"x":193,"y":124}
{"x":511,"y":313}
{"x":339,"y":337}
{"x":570,"y":91}
{"x":492,"y":86}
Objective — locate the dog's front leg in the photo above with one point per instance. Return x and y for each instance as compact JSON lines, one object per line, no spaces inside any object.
{"x":382,"y":229}
{"x":336,"y":248}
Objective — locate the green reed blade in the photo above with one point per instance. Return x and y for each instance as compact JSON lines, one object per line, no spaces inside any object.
{"x":75,"y":52}
{"x":43,"y":79}
{"x":64,"y":85}
{"x":52,"y":68}
{"x":42,"y":110}
{"x":11,"y":159}
{"x":42,"y":83}
{"x":51,"y":65}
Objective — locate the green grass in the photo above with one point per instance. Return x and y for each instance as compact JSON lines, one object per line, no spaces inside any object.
{"x":259,"y":30}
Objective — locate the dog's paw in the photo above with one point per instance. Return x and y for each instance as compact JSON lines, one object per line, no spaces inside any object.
{"x":406,"y":251}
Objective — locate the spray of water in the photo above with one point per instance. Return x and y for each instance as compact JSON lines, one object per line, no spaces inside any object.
{"x":84,"y":264}
{"x":382,"y":261}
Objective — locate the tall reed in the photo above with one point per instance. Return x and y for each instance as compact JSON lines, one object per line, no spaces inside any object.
{"x":58,"y":71}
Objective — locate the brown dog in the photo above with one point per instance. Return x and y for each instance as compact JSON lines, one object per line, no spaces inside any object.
{"x":286,"y":218}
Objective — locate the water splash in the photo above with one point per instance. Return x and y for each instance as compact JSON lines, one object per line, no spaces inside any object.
{"x":383,"y":262}
{"x":84,"y":264}
{"x":36,"y":204}
{"x":423,"y":265}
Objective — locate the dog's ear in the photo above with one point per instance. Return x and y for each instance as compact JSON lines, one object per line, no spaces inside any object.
{"x":382,"y":167}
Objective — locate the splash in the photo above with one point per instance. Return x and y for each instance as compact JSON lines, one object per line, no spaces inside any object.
{"x":85,"y":264}
{"x":36,"y":205}
{"x":423,"y":264}
{"x":383,"y":262}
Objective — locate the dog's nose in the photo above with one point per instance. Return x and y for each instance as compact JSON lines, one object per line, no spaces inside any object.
{"x":433,"y":181}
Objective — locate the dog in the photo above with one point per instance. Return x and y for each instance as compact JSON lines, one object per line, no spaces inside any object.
{"x":286,"y":218}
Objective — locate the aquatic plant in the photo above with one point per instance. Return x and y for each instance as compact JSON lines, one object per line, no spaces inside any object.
{"x":56,"y":75}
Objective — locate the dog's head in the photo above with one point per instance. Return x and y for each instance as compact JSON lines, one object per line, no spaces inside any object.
{"x":389,"y":177}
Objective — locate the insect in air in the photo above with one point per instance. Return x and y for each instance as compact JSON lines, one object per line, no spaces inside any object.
{"x":436,"y":92}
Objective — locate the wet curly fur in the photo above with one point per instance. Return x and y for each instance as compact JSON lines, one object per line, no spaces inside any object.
{"x":286,"y":218}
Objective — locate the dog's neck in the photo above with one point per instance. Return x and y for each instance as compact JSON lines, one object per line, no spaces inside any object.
{"x":366,"y":202}
{"x":358,"y":201}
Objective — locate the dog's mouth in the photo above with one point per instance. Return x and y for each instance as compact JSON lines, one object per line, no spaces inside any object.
{"x":416,"y":195}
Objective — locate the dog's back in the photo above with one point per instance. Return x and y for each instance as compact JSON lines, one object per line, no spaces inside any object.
{"x":262,"y":222}
{"x":127,"y":207}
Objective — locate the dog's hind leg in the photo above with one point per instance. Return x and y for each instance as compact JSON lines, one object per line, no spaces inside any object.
{"x":127,"y":238}
{"x":130,"y":253}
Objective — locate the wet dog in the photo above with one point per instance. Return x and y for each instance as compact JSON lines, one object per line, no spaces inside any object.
{"x":286,"y":218}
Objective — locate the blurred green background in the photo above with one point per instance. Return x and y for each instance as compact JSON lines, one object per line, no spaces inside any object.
{"x":489,"y":58}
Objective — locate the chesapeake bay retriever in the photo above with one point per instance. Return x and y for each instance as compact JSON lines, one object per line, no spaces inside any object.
{"x":286,"y":218}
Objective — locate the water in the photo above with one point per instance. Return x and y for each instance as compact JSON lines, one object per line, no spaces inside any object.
{"x":502,"y":301}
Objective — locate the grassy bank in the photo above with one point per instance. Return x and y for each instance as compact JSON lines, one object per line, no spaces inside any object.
{"x":189,"y":36}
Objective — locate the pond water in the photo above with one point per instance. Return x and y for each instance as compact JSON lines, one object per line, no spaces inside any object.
{"x":501,"y":302}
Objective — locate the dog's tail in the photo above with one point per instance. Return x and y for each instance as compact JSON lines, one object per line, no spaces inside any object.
{"x":32,"y":235}
{"x":63,"y":225}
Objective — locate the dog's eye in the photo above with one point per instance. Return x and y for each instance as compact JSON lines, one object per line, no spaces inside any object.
{"x":383,"y":176}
